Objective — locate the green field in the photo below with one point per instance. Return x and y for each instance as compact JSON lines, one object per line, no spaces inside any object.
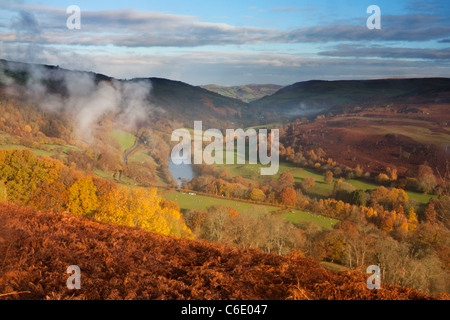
{"x":141,"y":155}
{"x":125,"y":139}
{"x":298,"y":217}
{"x":421,"y":198}
{"x":37,"y":152}
{"x":320,"y":190}
{"x":199,"y":202}
{"x":187,"y":202}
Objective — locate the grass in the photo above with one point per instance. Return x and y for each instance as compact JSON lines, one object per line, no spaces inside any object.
{"x":103,"y":174}
{"x":421,"y":198}
{"x":141,"y":155}
{"x":37,"y":152}
{"x":320,"y":190}
{"x":125,"y":139}
{"x":187,"y":202}
{"x":298,"y":217}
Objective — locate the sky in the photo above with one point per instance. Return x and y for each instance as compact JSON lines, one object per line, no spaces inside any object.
{"x":232,"y":42}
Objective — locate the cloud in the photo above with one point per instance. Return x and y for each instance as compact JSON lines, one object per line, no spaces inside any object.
{"x":83,"y":96}
{"x":132,"y":28}
{"x":387,"y":52}
{"x":121,"y":39}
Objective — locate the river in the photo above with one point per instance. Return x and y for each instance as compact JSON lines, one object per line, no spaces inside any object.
{"x":181,"y":173}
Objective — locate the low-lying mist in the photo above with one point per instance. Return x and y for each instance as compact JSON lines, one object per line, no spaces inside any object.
{"x":85,"y":97}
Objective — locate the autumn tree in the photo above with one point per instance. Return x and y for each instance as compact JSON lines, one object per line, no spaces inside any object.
{"x":286,"y":179}
{"x":426,"y":179}
{"x":52,"y":196}
{"x":23,"y":173}
{"x":82,"y":197}
{"x":3,"y":191}
{"x":288,"y":196}
{"x":328,"y":178}
{"x":330,"y":246}
{"x":430,"y":213}
{"x":257,"y":195}
{"x":308,"y":183}
{"x":141,"y":208}
{"x":382,"y":178}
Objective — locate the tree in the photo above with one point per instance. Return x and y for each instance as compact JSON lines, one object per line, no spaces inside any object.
{"x":430,"y":212}
{"x":3,"y":191}
{"x":23,"y":173}
{"x":382,"y":178}
{"x":286,"y":179}
{"x":52,"y":196}
{"x":142,"y":208}
{"x":82,"y":197}
{"x":308,"y":183}
{"x":257,"y":195}
{"x":426,"y":179}
{"x":288,"y":196}
{"x":328,"y":178}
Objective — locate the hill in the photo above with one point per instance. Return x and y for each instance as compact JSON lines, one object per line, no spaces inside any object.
{"x":404,"y":136}
{"x":170,"y":99}
{"x":313,"y":97}
{"x":246,"y":93}
{"x":128,"y":263}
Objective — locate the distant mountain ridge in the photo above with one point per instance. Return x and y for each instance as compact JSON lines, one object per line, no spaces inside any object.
{"x":186,"y":103}
{"x":329,"y":94}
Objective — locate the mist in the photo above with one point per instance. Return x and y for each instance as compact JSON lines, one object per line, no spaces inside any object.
{"x":303,"y":109}
{"x":82,"y":96}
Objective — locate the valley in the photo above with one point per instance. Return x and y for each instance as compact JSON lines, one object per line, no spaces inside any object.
{"x":362,"y":179}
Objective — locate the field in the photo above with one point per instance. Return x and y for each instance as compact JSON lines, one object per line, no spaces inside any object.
{"x":321,"y":189}
{"x":400,"y":136}
{"x":37,"y":152}
{"x":188,"y":202}
{"x":298,"y":217}
{"x":125,"y":139}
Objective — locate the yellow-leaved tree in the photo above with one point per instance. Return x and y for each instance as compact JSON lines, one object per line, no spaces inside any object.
{"x":142,"y":208}
{"x":82,"y":197}
{"x":3,"y":191}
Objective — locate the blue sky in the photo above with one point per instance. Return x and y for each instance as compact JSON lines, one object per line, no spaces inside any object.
{"x":232,"y":42}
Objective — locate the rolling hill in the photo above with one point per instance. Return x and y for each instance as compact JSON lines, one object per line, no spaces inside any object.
{"x":170,"y":99}
{"x":185,"y":103}
{"x":314,"y":97}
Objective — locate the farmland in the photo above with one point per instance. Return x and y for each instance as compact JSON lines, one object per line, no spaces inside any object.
{"x":188,"y":202}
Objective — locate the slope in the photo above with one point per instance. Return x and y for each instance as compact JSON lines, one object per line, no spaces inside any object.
{"x":128,"y":263}
{"x":312,"y":97}
{"x":175,"y":100}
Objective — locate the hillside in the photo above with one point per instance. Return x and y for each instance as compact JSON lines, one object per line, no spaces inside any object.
{"x":313,"y":97}
{"x":170,"y":99}
{"x":128,"y":263}
{"x":246,"y":93}
{"x":403,"y":135}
